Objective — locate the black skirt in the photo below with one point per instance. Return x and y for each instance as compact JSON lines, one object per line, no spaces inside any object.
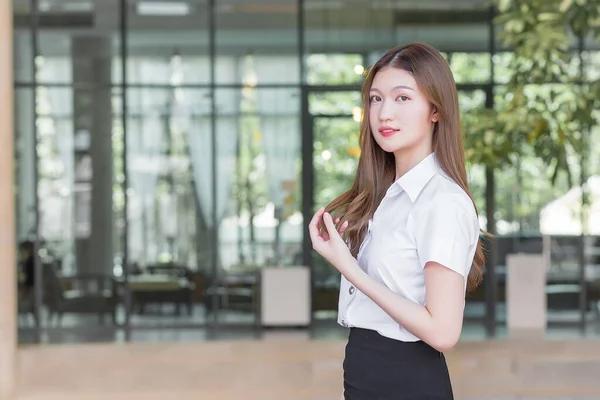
{"x":380,"y":368}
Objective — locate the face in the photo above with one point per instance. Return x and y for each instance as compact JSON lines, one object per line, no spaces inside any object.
{"x":400,"y":116}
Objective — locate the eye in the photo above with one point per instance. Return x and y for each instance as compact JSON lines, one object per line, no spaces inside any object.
{"x":374,"y":98}
{"x":402,"y":98}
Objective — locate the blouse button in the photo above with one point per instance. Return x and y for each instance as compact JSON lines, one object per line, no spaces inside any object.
{"x":351,"y":290}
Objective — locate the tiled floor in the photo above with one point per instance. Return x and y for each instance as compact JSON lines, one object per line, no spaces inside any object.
{"x":179,"y":357}
{"x":291,"y":366}
{"x":167,"y":327}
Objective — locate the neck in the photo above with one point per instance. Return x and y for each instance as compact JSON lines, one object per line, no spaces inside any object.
{"x":407,"y":160}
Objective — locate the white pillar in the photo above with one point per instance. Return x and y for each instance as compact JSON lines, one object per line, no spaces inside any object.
{"x":92,"y":109}
{"x":25,"y":138}
{"x":8,"y":281}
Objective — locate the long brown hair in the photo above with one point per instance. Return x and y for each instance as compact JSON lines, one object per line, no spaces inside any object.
{"x":376,"y":168}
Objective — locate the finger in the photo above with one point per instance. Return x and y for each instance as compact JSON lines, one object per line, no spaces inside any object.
{"x":344,"y":227}
{"x":325,"y":234}
{"x":313,"y":226}
{"x":314,"y":222}
{"x":331,"y":230}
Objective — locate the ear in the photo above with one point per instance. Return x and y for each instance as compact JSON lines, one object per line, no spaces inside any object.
{"x":435,"y":117}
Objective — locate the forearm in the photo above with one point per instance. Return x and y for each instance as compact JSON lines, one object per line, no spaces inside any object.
{"x":414,"y":317}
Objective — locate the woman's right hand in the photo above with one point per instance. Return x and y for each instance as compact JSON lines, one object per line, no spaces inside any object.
{"x":341,"y":230}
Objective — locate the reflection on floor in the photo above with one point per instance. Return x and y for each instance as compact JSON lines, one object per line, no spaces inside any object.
{"x":321,"y":330}
{"x":163,"y":325}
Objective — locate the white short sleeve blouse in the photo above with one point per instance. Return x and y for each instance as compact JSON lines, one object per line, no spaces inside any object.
{"x":424,"y":216}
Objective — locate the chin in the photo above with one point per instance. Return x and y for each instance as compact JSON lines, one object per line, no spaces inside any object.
{"x":389,"y":149}
{"x":391,"y":146}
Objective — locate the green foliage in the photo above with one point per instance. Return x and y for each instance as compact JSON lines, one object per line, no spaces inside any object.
{"x":547,"y":108}
{"x":334,"y":103}
{"x":470,"y":67}
{"x":583,"y":16}
{"x":333,"y":69}
{"x":538,"y":34}
{"x":335,"y":157}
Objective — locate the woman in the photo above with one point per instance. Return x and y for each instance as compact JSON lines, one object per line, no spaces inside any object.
{"x":405,"y":237}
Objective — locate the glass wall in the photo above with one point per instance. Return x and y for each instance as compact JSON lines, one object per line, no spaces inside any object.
{"x":169,"y":153}
{"x":168,"y":104}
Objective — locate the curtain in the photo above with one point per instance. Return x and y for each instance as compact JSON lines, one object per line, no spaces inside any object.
{"x":57,"y":197}
{"x":279,"y":111}
{"x":147,"y":128}
{"x":196,"y":105}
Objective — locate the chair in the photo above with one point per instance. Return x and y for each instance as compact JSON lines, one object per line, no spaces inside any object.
{"x":80,"y":293}
{"x":239,"y":292}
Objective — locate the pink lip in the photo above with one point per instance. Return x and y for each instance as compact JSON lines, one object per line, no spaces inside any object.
{"x":387,"y":131}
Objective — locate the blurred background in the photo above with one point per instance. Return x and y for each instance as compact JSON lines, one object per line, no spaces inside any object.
{"x":169,"y":155}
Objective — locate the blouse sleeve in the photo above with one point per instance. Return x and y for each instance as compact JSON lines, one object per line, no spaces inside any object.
{"x":446,"y":232}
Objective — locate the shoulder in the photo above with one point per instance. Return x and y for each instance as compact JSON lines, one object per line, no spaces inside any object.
{"x":442,"y":193}
{"x":444,"y":208}
{"x":445,"y":225}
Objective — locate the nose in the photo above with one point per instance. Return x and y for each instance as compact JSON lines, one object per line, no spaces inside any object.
{"x":385,"y":111}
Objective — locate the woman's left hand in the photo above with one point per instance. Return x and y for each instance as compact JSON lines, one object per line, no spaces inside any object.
{"x":328,"y":242}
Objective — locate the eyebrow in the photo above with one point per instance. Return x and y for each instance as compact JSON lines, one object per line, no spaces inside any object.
{"x":394,"y":88}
